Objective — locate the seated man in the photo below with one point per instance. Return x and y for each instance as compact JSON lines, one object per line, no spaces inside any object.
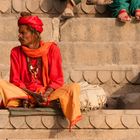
{"x":124,"y":9}
{"x":36,"y":68}
{"x":68,"y":12}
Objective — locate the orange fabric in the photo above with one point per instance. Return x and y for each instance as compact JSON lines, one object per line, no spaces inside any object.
{"x":69,"y":99}
{"x":40,"y":52}
{"x":67,"y":94}
{"x":11,"y":93}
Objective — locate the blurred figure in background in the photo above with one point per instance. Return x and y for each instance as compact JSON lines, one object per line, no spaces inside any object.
{"x":68,"y":12}
{"x":124,"y":9}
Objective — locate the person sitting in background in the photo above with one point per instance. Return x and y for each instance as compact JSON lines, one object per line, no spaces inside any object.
{"x":124,"y":9}
{"x":68,"y":12}
{"x":36,"y":69}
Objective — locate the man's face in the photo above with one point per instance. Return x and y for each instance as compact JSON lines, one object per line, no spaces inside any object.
{"x":26,"y":37}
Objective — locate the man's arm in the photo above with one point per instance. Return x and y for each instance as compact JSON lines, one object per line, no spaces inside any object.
{"x":15,"y":68}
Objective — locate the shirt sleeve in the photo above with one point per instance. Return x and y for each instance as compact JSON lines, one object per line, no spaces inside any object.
{"x":15,"y":68}
{"x":55,"y":67}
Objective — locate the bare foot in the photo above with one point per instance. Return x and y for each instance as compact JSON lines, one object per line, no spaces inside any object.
{"x":137,"y":14}
{"x":99,"y":2}
{"x":123,"y":16}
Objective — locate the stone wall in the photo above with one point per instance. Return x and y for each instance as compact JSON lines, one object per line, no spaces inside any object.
{"x":47,"y":7}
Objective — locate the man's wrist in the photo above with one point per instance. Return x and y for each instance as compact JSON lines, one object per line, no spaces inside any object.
{"x":49,"y":89}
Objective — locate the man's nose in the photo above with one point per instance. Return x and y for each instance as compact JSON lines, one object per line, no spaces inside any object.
{"x":20,"y":35}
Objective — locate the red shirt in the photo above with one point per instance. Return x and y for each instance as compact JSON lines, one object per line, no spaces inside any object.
{"x":22,"y":77}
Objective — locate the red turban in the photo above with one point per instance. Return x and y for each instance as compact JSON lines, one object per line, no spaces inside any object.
{"x":32,"y":21}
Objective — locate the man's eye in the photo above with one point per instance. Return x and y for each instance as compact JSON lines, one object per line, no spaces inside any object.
{"x":23,"y":33}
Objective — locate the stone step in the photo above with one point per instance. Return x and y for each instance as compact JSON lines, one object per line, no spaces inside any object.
{"x":100,"y":53}
{"x":82,"y":29}
{"x":99,"y":29}
{"x":88,"y":53}
{"x":98,"y":124}
{"x":83,"y":134}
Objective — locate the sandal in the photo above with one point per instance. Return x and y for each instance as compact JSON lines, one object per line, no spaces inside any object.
{"x":137,"y":14}
{"x":99,"y":2}
{"x":68,"y":13}
{"x":123,"y":16}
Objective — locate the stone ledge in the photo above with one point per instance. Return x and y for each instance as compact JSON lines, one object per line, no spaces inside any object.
{"x":82,"y":134}
{"x":100,"y":53}
{"x":99,"y":29}
{"x":98,"y":119}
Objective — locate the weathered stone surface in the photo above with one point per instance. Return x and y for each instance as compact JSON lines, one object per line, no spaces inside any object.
{"x":63,"y":123}
{"x":131,"y":100}
{"x":118,"y":76}
{"x":95,"y":54}
{"x":46,"y":35}
{"x":46,"y":5}
{"x":50,"y":122}
{"x":18,"y":122}
{"x":136,"y":56}
{"x":28,"y":134}
{"x":132,"y":76}
{"x":58,"y":5}
{"x":4,"y":120}
{"x":89,"y":9}
{"x":9,"y":32}
{"x":19,"y":5}
{"x":66,"y":76}
{"x":74,"y":135}
{"x":130,"y":121}
{"x":104,"y":76}
{"x":90,"y":76}
{"x":125,"y":54}
{"x":33,"y":6}
{"x":5,"y":5}
{"x":5,"y":48}
{"x":100,"y":134}
{"x":84,"y":123}
{"x":76,"y":76}
{"x":85,"y":53}
{"x":100,"y":8}
{"x":98,"y":121}
{"x":111,"y":30}
{"x":114,"y":121}
{"x":34,"y":122}
{"x":138,"y":119}
{"x":55,"y":28}
{"x":130,"y":112}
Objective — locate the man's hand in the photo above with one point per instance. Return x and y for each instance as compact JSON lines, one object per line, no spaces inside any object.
{"x":47,"y":93}
{"x":38,"y":97}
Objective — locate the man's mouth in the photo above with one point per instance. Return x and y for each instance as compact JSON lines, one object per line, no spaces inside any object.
{"x":21,"y":40}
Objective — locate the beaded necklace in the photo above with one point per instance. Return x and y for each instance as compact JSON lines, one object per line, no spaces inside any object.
{"x":33,"y":68}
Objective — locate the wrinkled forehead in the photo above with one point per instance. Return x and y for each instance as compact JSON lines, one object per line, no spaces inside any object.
{"x":23,"y":28}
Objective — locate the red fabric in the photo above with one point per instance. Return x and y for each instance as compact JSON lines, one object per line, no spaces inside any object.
{"x":21,"y":77}
{"x":32,"y":21}
{"x":42,"y":53}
